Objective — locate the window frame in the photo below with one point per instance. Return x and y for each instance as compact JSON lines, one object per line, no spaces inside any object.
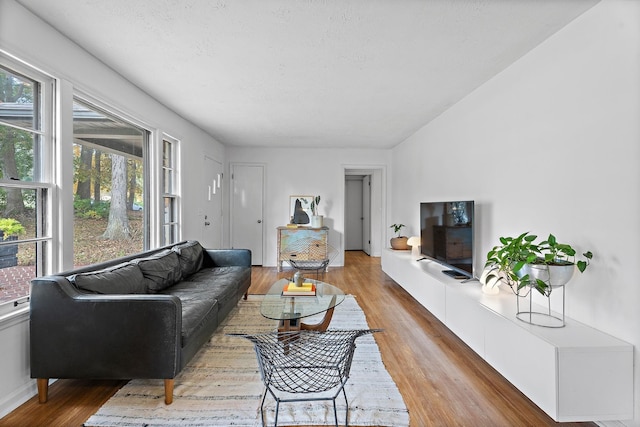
{"x":174,"y":194}
{"x":55,"y":107}
{"x":44,"y":171}
{"x":109,"y":110}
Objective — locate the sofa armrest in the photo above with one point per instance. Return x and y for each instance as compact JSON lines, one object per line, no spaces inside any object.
{"x":227,"y":257}
{"x":77,"y":335}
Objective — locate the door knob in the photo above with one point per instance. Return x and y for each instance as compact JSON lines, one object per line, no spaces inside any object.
{"x":259,"y":221}
{"x":207,"y":223}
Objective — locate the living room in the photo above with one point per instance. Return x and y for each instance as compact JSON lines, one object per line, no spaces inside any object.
{"x":549,"y":144}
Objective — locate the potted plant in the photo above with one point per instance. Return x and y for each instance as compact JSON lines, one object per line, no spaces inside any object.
{"x":316,"y":220}
{"x":399,"y":242}
{"x":523,"y":263}
{"x":10,"y":229}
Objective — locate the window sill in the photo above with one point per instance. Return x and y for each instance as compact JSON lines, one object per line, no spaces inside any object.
{"x":15,"y":316}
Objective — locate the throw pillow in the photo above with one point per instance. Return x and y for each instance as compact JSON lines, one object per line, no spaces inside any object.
{"x":160,"y":270}
{"x":124,"y":278}
{"x":191,"y":257}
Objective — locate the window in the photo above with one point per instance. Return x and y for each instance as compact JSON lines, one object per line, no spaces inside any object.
{"x":170,"y":218}
{"x":26,"y":162}
{"x":109,"y":185}
{"x":111,"y":181}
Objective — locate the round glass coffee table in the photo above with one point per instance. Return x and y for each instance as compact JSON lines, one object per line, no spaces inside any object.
{"x":289,"y":310}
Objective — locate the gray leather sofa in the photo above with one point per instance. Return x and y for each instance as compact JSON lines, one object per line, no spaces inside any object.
{"x":141,"y":316}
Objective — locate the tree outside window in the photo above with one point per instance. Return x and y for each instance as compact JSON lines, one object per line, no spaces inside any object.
{"x":109,"y":190}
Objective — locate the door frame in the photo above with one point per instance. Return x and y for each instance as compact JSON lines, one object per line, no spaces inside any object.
{"x":378,"y":210}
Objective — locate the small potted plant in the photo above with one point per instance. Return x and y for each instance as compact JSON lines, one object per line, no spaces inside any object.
{"x":316,"y":220}
{"x":399,"y":242}
{"x":10,"y":229}
{"x":523,"y":263}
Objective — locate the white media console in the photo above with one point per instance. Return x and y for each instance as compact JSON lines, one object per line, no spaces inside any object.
{"x":574,"y":373}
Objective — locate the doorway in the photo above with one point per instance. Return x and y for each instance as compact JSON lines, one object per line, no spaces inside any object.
{"x":364,"y":209}
{"x":357,"y":212}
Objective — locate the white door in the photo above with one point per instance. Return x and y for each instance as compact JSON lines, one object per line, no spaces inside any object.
{"x":211,"y":236}
{"x":366,"y":214}
{"x":247,"y":187}
{"x":353,"y":213}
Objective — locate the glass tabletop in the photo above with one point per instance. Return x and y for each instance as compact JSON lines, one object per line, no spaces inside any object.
{"x":278,"y":307}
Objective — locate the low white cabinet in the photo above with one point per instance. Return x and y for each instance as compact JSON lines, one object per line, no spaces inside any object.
{"x":575,"y":373}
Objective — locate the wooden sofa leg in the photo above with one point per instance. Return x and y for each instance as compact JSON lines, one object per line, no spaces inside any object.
{"x":168,"y":391}
{"x":245,"y":295}
{"x":43,"y":389}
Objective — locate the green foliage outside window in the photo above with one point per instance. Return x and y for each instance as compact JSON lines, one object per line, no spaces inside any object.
{"x":11,"y":227}
{"x":87,"y":208}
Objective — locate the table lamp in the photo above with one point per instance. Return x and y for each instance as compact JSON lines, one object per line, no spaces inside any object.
{"x":414,"y":242}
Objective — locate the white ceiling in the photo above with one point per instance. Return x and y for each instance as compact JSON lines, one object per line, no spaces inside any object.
{"x":322,"y":73}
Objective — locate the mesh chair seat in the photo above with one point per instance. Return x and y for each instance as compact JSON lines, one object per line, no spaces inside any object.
{"x":309,"y":265}
{"x":305,"y":362}
{"x":309,"y":254}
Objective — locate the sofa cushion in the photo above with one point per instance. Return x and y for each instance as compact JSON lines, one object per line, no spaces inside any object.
{"x":224,"y":281}
{"x":160,"y":270}
{"x":191,"y":257}
{"x":199,"y":306}
{"x":124,"y":278}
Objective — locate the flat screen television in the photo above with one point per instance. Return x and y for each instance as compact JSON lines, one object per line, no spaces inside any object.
{"x":446,"y":234}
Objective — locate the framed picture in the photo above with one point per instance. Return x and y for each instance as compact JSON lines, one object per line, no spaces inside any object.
{"x":300,"y":209}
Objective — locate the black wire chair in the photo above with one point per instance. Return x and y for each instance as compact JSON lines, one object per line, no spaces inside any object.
{"x":305,"y":362}
{"x":310,"y":254}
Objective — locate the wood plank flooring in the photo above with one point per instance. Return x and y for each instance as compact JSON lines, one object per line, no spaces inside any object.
{"x":443,"y":382}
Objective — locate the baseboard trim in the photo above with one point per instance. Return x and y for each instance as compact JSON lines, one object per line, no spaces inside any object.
{"x":18,"y":397}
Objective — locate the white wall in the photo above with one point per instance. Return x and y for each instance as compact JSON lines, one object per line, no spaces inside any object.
{"x":26,"y":37}
{"x":550,"y":145}
{"x":291,"y":171}
{"x":15,"y":385}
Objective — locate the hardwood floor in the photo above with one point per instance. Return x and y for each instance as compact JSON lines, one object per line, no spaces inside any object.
{"x":443,"y":382}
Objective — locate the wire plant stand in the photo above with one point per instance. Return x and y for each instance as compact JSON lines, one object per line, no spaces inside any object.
{"x":547,"y":318}
{"x":305,"y":362}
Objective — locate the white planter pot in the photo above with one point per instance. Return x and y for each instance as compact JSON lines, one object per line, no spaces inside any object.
{"x":553,"y":275}
{"x":317,"y":221}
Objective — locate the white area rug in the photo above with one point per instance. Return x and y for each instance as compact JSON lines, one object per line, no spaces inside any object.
{"x":221,"y":386}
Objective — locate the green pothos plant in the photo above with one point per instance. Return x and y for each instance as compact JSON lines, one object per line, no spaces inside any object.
{"x":507,"y":260}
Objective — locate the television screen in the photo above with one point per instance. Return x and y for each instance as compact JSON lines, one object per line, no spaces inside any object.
{"x":446,"y":234}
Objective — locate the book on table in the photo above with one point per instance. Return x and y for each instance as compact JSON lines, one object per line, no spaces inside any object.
{"x":306,"y":289}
